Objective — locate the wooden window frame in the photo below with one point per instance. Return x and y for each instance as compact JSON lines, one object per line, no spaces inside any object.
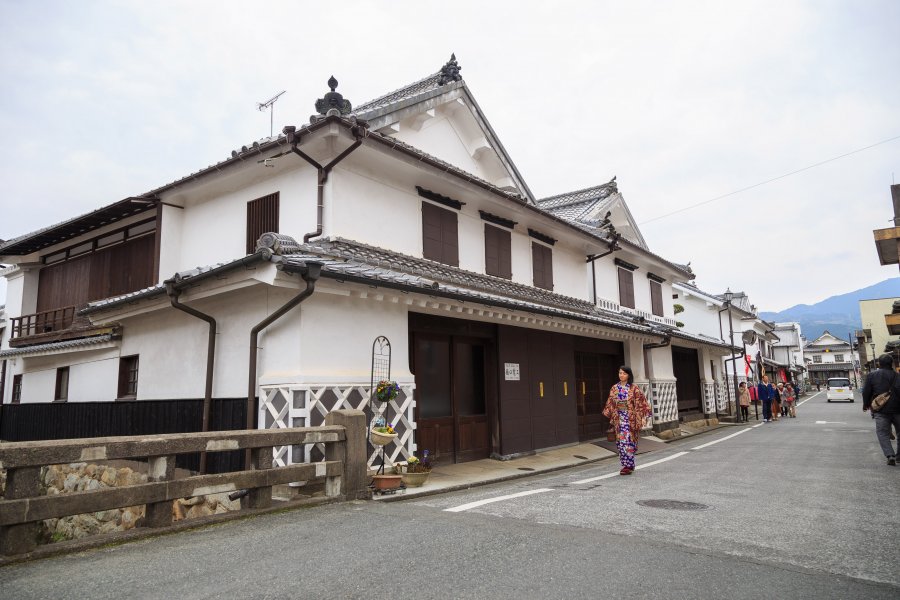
{"x":78,"y":250}
{"x":263,"y":216}
{"x":129,"y":370}
{"x":542,"y":266}
{"x":440,"y":234}
{"x":656,"y":303}
{"x":61,"y":391}
{"x":16,"y":389}
{"x":626,"y":287}
{"x":497,"y":263}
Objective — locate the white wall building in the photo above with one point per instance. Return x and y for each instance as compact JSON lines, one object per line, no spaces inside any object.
{"x":507,"y":316}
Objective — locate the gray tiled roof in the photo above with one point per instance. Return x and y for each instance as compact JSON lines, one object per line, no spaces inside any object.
{"x":66,"y":345}
{"x":579,"y":197}
{"x":429,"y":83}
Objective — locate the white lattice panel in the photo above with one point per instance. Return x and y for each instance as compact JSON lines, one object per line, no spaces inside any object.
{"x":644,"y":386}
{"x":665,"y":401}
{"x":709,"y":398}
{"x":305,"y":405}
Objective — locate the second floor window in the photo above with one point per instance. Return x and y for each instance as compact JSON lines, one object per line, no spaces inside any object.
{"x":656,"y":304}
{"x":838,"y":358}
{"x":497,"y":252}
{"x":542,"y":266}
{"x":817,"y":358}
{"x":440,"y":240}
{"x":626,"y":287}
{"x":262,"y":217}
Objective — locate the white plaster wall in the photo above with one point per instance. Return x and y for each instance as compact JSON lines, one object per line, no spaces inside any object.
{"x":661,"y":361}
{"x":700,"y":317}
{"x":607,"y":278}
{"x":214,"y":226}
{"x":38,"y":386}
{"x":95,"y":380}
{"x":170,"y":247}
{"x":339,"y":349}
{"x":444,"y":138}
{"x":568,"y":272}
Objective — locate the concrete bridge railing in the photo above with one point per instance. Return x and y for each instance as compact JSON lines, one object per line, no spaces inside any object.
{"x":344,"y":471}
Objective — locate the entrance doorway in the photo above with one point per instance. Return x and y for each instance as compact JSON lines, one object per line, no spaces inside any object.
{"x":451,"y":406}
{"x":686,"y":368}
{"x":595,"y":374}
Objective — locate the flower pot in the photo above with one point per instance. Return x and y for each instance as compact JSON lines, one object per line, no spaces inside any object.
{"x":381,"y":439}
{"x":415,"y":479}
{"x":386,"y":482}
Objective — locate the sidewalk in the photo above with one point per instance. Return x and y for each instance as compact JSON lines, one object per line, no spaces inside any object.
{"x":448,"y":478}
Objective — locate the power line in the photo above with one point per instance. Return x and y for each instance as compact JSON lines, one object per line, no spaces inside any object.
{"x":755,"y":185}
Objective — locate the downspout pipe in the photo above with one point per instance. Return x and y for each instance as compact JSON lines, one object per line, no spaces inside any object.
{"x":310,"y":274}
{"x":210,"y":357}
{"x":323,"y":171}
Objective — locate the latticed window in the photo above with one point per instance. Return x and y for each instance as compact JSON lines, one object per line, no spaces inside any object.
{"x":497,"y":252}
{"x":817,"y":358}
{"x":440,"y":239}
{"x":62,"y":385}
{"x":262,"y":217}
{"x":656,"y":298}
{"x":626,"y":288}
{"x":128,"y":376}
{"x":17,"y":389}
{"x":542,"y":266}
{"x":838,"y":358}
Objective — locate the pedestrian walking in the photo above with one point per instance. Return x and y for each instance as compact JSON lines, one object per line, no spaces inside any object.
{"x":627,"y":409}
{"x":776,"y":402}
{"x":765,"y":393}
{"x":884,"y":379}
{"x":744,"y":401}
{"x":789,"y":401}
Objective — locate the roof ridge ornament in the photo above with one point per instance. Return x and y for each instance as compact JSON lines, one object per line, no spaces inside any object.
{"x":333,"y":101}
{"x":450,"y":71}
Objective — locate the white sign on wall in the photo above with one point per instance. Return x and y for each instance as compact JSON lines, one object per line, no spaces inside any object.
{"x":511,"y":371}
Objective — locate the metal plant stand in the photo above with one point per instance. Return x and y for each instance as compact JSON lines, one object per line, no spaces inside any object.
{"x":381,"y":370}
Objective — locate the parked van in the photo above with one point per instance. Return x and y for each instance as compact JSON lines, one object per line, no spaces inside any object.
{"x":838,"y":388}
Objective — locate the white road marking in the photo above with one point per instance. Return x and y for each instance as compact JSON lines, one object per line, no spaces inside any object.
{"x":463,"y":507}
{"x":662,"y":460}
{"x":592,"y":479}
{"x":808,"y":399}
{"x":727,"y":437}
{"x":830,"y":423}
{"x":757,"y":425}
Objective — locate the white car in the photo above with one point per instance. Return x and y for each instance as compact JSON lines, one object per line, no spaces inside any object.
{"x":838,"y":388}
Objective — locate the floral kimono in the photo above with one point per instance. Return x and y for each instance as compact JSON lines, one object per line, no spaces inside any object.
{"x":627,"y":410}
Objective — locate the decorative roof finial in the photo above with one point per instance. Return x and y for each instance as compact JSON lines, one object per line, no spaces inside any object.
{"x":450,"y":71}
{"x":333,"y":100}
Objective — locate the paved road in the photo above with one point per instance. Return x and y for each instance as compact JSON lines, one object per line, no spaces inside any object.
{"x":802,"y":508}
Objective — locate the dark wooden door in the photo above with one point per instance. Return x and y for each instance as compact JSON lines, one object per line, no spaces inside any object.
{"x":543,"y":405}
{"x":451,"y":403}
{"x":686,"y":367}
{"x":595,"y":374}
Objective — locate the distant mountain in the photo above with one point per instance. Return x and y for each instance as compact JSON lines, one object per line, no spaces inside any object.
{"x":838,"y":314}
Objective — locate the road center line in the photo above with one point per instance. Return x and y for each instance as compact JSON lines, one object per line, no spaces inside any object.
{"x":463,"y":507}
{"x":727,"y":437}
{"x":592,"y":479}
{"x":662,"y":460}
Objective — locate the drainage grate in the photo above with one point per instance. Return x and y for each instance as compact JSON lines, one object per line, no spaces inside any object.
{"x":673,"y":504}
{"x":526,"y":469}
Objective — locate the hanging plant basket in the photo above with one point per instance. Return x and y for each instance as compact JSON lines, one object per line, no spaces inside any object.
{"x":381,"y":439}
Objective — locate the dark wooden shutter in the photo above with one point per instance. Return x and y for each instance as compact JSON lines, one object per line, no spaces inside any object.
{"x":128,"y":376}
{"x":656,"y":298}
{"x":497,"y":252}
{"x":626,"y":288}
{"x":542,"y":266}
{"x":262,"y":217}
{"x":440,"y":235}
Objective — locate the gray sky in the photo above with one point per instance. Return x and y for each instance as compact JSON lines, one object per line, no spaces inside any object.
{"x":682,"y":101}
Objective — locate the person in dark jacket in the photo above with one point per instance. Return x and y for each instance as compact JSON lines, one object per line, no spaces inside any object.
{"x":879,"y":381}
{"x":766,"y":394}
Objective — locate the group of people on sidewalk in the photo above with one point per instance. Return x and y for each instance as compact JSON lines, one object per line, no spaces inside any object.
{"x":777,"y":400}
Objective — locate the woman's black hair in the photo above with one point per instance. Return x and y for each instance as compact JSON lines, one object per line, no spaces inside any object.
{"x":628,"y":372}
{"x":744,"y":383}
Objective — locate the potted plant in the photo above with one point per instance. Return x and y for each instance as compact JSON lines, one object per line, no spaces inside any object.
{"x":383,"y":435}
{"x":386,"y":390}
{"x":415,"y":472}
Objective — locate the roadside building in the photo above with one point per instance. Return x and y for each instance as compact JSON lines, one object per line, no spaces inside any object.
{"x":829,"y":356}
{"x":880,"y":318}
{"x":788,"y":352}
{"x":399,"y":227}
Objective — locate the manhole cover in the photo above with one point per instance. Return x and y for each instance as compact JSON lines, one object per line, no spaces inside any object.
{"x":673,"y":504}
{"x":578,"y":456}
{"x":526,"y":469}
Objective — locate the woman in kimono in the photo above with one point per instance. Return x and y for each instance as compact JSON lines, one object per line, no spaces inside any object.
{"x":627,"y":410}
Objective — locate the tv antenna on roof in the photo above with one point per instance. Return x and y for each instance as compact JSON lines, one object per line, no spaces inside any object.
{"x":270,"y":104}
